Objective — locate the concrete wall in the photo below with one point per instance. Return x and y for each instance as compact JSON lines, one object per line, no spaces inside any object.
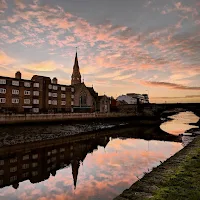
{"x":33,"y":118}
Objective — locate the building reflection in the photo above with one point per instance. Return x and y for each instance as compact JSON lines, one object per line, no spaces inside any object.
{"x":37,"y":164}
{"x":36,"y":161}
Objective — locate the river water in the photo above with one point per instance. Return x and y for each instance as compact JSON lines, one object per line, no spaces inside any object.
{"x":95,"y":166}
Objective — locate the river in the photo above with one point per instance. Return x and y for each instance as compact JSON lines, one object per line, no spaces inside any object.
{"x":95,"y":166}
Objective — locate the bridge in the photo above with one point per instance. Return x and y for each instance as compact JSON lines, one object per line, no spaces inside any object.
{"x":158,"y":109}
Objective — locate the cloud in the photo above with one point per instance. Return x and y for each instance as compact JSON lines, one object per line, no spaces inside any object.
{"x":3,"y":5}
{"x":20,"y":4}
{"x":5,"y":59}
{"x":179,"y":97}
{"x":169,"y":85}
{"x":41,"y":66}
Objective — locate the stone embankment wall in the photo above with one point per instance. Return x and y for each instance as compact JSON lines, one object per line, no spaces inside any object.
{"x":33,"y":118}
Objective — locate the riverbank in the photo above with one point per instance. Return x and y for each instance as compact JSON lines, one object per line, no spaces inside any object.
{"x":176,"y":178}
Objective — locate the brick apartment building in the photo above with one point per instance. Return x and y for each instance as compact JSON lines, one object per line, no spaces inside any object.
{"x":40,"y":94}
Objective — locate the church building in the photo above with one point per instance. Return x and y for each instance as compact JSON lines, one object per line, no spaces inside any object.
{"x":85,"y":98}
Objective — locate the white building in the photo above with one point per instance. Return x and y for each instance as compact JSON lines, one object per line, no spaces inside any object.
{"x":128,"y":99}
{"x":141,"y":98}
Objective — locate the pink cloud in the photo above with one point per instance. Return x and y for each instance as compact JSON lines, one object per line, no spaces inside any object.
{"x":3,"y":5}
{"x":20,"y":4}
{"x":5,"y":59}
{"x":169,"y":85}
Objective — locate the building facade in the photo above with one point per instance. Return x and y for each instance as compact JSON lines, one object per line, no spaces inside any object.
{"x":104,"y":103}
{"x":37,"y":95}
{"x":133,"y":98}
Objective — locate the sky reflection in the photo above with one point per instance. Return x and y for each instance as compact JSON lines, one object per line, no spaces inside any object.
{"x":180,"y":123}
{"x":104,"y":174}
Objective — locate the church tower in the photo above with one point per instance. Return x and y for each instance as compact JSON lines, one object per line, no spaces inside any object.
{"x":76,"y":75}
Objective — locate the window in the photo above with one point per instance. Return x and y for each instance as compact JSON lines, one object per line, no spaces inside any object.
{"x":53,"y":159}
{"x":35,"y":101}
{"x":54,"y":151}
{"x":15,"y":100}
{"x":26,"y":157}
{"x":48,"y":161}
{"x":13,"y":169}
{"x":72,"y":103}
{"x":1,"y":162}
{"x":16,"y":83}
{"x":27,"y":101}
{"x":49,"y":102}
{"x":2,"y":90}
{"x":25,"y":175}
{"x":27,"y":84}
{"x":13,"y":160}
{"x":72,"y":96}
{"x":1,"y":182}
{"x":1,"y":172}
{"x":2,"y":81}
{"x":62,"y":149}
{"x":27,"y":92}
{"x":54,"y":102}
{"x":54,"y":95}
{"x":15,"y":91}
{"x":49,"y":153}
{"x":63,"y":96}
{"x":36,"y":93}
{"x":34,"y":164}
{"x":53,"y":166}
{"x":50,"y":86}
{"x":37,"y":85}
{"x":72,"y":89}
{"x":50,"y":94}
{"x":25,"y":166}
{"x":34,"y":173}
{"x":63,"y":103}
{"x":2,"y":100}
{"x":36,"y":110}
{"x":35,"y":156}
{"x":62,"y":156}
{"x":63,"y":88}
{"x":55,"y":87}
{"x":13,"y":178}
{"x":83,"y":99}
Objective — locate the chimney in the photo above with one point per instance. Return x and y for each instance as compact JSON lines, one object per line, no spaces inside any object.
{"x":18,"y":75}
{"x":55,"y":80}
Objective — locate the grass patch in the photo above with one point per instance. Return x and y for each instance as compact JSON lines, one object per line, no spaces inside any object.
{"x":183,"y":183}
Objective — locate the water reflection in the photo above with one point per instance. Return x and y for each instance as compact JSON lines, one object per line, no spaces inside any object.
{"x":180,"y":123}
{"x":95,"y":165}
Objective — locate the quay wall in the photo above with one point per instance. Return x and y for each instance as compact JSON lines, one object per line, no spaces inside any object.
{"x":65,"y":117}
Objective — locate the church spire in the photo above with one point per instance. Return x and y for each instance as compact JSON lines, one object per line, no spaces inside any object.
{"x":76,"y":76}
{"x":75,"y":167}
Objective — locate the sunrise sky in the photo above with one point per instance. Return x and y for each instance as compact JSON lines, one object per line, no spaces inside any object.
{"x":142,"y":46}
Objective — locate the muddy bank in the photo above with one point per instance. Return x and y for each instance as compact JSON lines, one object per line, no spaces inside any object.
{"x":176,"y":178}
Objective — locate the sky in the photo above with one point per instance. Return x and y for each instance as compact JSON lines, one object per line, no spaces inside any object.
{"x":129,"y":46}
